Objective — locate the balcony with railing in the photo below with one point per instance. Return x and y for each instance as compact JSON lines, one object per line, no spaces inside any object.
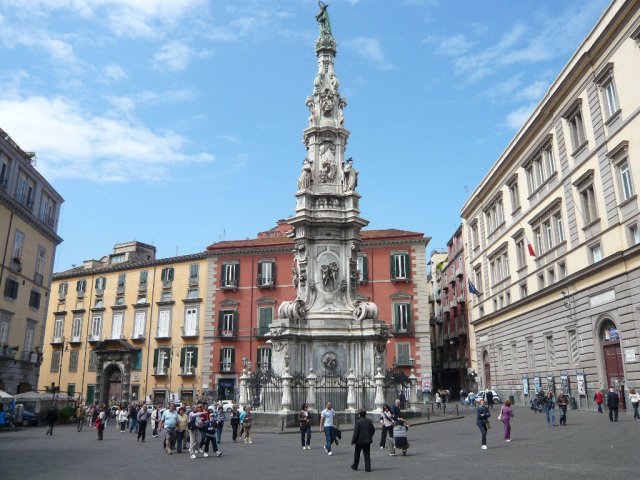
{"x":399,"y":362}
{"x":138,"y":337}
{"x":190,"y":332}
{"x":187,"y":371}
{"x":75,"y":339}
{"x":55,"y":340}
{"x":193,"y":281}
{"x":266,"y":281}
{"x":38,"y":278}
{"x":228,"y":334}
{"x":227,"y":367}
{"x":94,"y":338}
{"x":229,"y":284}
{"x":48,"y":219}
{"x":400,"y":330}
{"x":16,"y":264}
{"x":26,"y":200}
{"x":163,"y":334}
{"x":160,"y":371}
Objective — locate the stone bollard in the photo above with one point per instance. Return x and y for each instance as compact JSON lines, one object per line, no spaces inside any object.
{"x":286,"y":390}
{"x":351,"y":393}
{"x":312,"y":378}
{"x":244,"y":396}
{"x":379,"y":399}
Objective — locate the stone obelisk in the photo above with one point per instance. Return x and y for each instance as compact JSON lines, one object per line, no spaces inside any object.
{"x":327,"y":327}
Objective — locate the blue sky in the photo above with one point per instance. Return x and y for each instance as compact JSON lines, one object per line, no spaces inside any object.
{"x":179,"y":123}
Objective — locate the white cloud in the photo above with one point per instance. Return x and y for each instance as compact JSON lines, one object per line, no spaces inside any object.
{"x":369,"y":48}
{"x":74,"y":143}
{"x":131,"y":18}
{"x":539,"y":38}
{"x":516,"y":119}
{"x":454,"y":46}
{"x":173,"y":56}
{"x":55,"y":46}
{"x":114,"y":72}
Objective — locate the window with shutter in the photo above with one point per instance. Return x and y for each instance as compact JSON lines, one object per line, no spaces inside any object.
{"x":400,"y":266}
{"x":228,"y":323}
{"x":76,"y":329}
{"x":193,"y":274}
{"x":139,"y":324}
{"x":265,"y":317}
{"x":137,"y":360}
{"x":116,"y":325}
{"x":144,"y":274}
{"x":403,"y":354}
{"x":164,"y":322}
{"x":190,"y":322}
{"x":73,"y":361}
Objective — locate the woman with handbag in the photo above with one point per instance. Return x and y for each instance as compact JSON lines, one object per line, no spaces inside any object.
{"x":482,"y":421}
{"x":506,"y":414}
{"x":386,"y":419}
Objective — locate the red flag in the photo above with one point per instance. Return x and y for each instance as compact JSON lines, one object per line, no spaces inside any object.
{"x":532,"y":252}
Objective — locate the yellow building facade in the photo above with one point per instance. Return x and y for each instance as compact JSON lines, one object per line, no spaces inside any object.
{"x":29,"y":209}
{"x":127,"y":328}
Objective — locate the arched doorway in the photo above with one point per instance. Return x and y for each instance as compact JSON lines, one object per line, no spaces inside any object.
{"x":113,"y":384}
{"x":612,"y":355}
{"x":487,"y":369}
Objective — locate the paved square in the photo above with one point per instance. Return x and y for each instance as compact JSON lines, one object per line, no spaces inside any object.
{"x":589,"y":447}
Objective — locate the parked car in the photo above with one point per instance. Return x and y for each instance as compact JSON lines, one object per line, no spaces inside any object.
{"x":480,"y":396}
{"x":30,"y":418}
{"x":227,"y":406}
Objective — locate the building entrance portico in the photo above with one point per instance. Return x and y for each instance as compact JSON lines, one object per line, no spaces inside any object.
{"x":612,"y":356}
{"x":113,"y":365}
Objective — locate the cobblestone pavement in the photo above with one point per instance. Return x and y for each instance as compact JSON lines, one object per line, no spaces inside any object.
{"x":589,"y":447}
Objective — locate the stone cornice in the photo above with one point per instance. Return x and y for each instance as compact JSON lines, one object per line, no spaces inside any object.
{"x":13,"y":205}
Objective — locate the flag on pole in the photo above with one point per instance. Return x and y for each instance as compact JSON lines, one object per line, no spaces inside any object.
{"x":532,"y":252}
{"x":473,"y":289}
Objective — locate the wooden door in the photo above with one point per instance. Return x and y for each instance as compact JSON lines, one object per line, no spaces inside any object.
{"x":614,"y":369}
{"x":487,"y":375}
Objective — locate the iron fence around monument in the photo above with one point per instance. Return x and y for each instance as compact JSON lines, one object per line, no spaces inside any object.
{"x":265,"y":390}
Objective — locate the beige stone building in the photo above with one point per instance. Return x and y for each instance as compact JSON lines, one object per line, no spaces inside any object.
{"x":29,"y":209}
{"x":552,"y":231}
{"x":128,"y":327}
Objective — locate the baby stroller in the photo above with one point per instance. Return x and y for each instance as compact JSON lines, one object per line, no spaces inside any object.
{"x":399,"y":440}
{"x":538,"y":403}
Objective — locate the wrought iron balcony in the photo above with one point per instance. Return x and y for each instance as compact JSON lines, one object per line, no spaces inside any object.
{"x":266,"y":281}
{"x":402,"y":330}
{"x":187,"y":371}
{"x":190,"y":332}
{"x":227,"y":367}
{"x":403,"y":362}
{"x":229,"y":284}
{"x":229,"y":334}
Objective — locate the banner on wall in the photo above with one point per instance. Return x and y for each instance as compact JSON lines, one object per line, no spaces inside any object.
{"x":581,"y":385}
{"x":564,"y":383}
{"x":525,"y":385}
{"x":536,"y":384}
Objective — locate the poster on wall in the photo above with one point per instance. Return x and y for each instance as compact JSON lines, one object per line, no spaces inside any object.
{"x":525,"y":385}
{"x":550,"y":384}
{"x":564,"y":383}
{"x":536,"y":384}
{"x":426,"y":383}
{"x":581,"y":385}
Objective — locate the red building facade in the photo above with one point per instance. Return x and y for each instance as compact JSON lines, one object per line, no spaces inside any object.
{"x":249,"y":279}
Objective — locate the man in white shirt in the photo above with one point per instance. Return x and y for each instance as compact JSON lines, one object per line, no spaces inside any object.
{"x":328,"y":425}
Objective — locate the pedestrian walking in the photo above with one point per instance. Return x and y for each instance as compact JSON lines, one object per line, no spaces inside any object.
{"x":304,"y":420}
{"x":247,"y":420}
{"x":235,"y":422}
{"x":121,"y":417}
{"x":101,"y":421}
{"x":80,"y":417}
{"x":168,"y":423}
{"x":634,"y":398}
{"x":155,"y":421}
{"x":142,"y":418}
{"x":396,"y":411}
{"x":386,"y":419}
{"x":133,"y":418}
{"x":181,"y":429}
{"x":563,"y":402}
{"x":438,"y":401}
{"x":506,"y":414}
{"x":613,"y":399}
{"x":195,"y":426}
{"x":550,"y":409}
{"x":363,"y":432}
{"x":210,"y":437}
{"x":328,"y":424}
{"x":599,"y":399}
{"x":482,"y":421}
{"x":471,"y":398}
{"x":400,"y":437}
{"x":52,"y":417}
{"x":489,"y":397}
{"x":220,"y":419}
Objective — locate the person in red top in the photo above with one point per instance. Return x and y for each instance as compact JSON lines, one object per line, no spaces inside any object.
{"x":599,"y":399}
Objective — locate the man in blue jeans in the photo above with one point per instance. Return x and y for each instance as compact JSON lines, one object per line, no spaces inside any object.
{"x":328,"y":425}
{"x":550,"y":409}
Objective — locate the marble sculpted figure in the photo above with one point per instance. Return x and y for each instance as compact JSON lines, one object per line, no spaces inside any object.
{"x":350,"y":176}
{"x":304,"y":181}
